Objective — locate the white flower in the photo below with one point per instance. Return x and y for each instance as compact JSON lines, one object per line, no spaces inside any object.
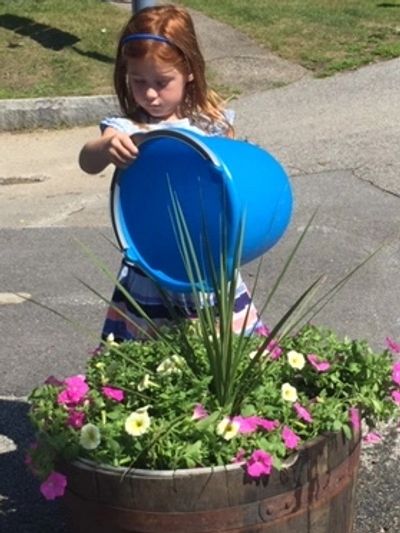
{"x":111,"y":340}
{"x":90,"y":437}
{"x":146,"y":383}
{"x":227,"y":428}
{"x":171,"y":365}
{"x":138,"y":422}
{"x":289,"y":393}
{"x":296,"y":359}
{"x":253,"y":354}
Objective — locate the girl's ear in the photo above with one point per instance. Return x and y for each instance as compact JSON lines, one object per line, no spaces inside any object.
{"x":190,"y":77}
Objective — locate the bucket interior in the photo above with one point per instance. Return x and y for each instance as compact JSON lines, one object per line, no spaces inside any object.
{"x":143,"y":215}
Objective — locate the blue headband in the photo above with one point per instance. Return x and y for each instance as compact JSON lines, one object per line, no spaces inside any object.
{"x":144,"y":36}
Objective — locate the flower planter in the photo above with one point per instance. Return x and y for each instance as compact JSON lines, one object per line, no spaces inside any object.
{"x":315,"y":494}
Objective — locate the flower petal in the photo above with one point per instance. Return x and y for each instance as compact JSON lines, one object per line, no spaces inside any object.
{"x":54,"y":486}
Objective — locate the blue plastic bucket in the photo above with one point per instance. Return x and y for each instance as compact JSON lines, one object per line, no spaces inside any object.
{"x":217,"y":181}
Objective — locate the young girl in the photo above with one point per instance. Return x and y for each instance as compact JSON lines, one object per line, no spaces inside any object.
{"x":159,"y":79}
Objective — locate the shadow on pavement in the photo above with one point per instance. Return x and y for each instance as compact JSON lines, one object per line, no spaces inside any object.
{"x":22,"y":508}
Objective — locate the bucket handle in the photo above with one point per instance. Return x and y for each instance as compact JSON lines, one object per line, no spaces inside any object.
{"x":184,"y":136}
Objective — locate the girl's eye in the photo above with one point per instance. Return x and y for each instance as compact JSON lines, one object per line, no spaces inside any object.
{"x":162,"y":83}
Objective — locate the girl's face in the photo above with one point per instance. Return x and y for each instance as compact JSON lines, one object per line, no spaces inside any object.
{"x":157,"y":87}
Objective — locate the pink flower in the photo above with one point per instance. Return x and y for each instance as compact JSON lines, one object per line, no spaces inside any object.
{"x":320,"y":366}
{"x":239,"y":456}
{"x":274,"y":349}
{"x":396,"y":396}
{"x":76,"y":388}
{"x":76,"y":419}
{"x":113,"y":393}
{"x":54,"y":486}
{"x":199,"y":412}
{"x":290,"y":438}
{"x":51,"y":380}
{"x":302,"y":412}
{"x":372,"y":438}
{"x":267,"y":425}
{"x":355,"y":418}
{"x":262,"y":330}
{"x":392,"y":345}
{"x":396,"y":373}
{"x":248,"y":424}
{"x":260,"y":463}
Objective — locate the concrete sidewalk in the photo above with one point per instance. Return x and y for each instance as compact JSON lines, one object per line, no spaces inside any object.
{"x":339,"y":141}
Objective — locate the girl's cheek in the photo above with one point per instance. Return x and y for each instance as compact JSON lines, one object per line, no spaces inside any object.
{"x":137,"y":92}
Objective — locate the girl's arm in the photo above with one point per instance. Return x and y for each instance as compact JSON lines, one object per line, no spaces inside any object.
{"x":112,"y":147}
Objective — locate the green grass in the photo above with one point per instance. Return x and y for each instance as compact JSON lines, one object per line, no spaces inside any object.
{"x":67,"y":47}
{"x":325,"y":36}
{"x":57,"y":47}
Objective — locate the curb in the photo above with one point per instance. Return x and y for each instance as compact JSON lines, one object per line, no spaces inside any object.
{"x":32,"y":113}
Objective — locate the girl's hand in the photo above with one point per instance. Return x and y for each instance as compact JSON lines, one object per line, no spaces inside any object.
{"x":120,"y":148}
{"x":112,"y":147}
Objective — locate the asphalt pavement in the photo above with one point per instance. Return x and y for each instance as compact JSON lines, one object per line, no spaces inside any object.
{"x":338,"y":139}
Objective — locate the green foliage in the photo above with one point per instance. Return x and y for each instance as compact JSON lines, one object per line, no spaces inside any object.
{"x":357,"y":377}
{"x":197,"y":394}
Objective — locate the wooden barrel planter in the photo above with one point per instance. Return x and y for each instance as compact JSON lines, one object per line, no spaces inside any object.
{"x":313,"y":495}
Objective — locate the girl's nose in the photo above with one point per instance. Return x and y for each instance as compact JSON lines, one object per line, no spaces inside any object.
{"x":151,"y":93}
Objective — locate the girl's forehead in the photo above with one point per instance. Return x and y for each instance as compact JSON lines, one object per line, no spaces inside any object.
{"x":149,"y":66}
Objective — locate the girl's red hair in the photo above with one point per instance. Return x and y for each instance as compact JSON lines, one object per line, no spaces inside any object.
{"x":202,"y":105}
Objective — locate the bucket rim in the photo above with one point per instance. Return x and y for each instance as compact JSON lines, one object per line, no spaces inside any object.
{"x":132,"y":255}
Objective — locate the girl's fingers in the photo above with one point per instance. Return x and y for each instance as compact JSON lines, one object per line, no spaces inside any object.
{"x":121,"y":161}
{"x":129,"y":145}
{"x":122,"y":151}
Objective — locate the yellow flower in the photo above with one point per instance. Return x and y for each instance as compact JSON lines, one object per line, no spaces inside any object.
{"x":228,"y":428}
{"x":296,"y":359}
{"x":289,"y":393}
{"x":90,"y":437}
{"x":137,"y":422}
